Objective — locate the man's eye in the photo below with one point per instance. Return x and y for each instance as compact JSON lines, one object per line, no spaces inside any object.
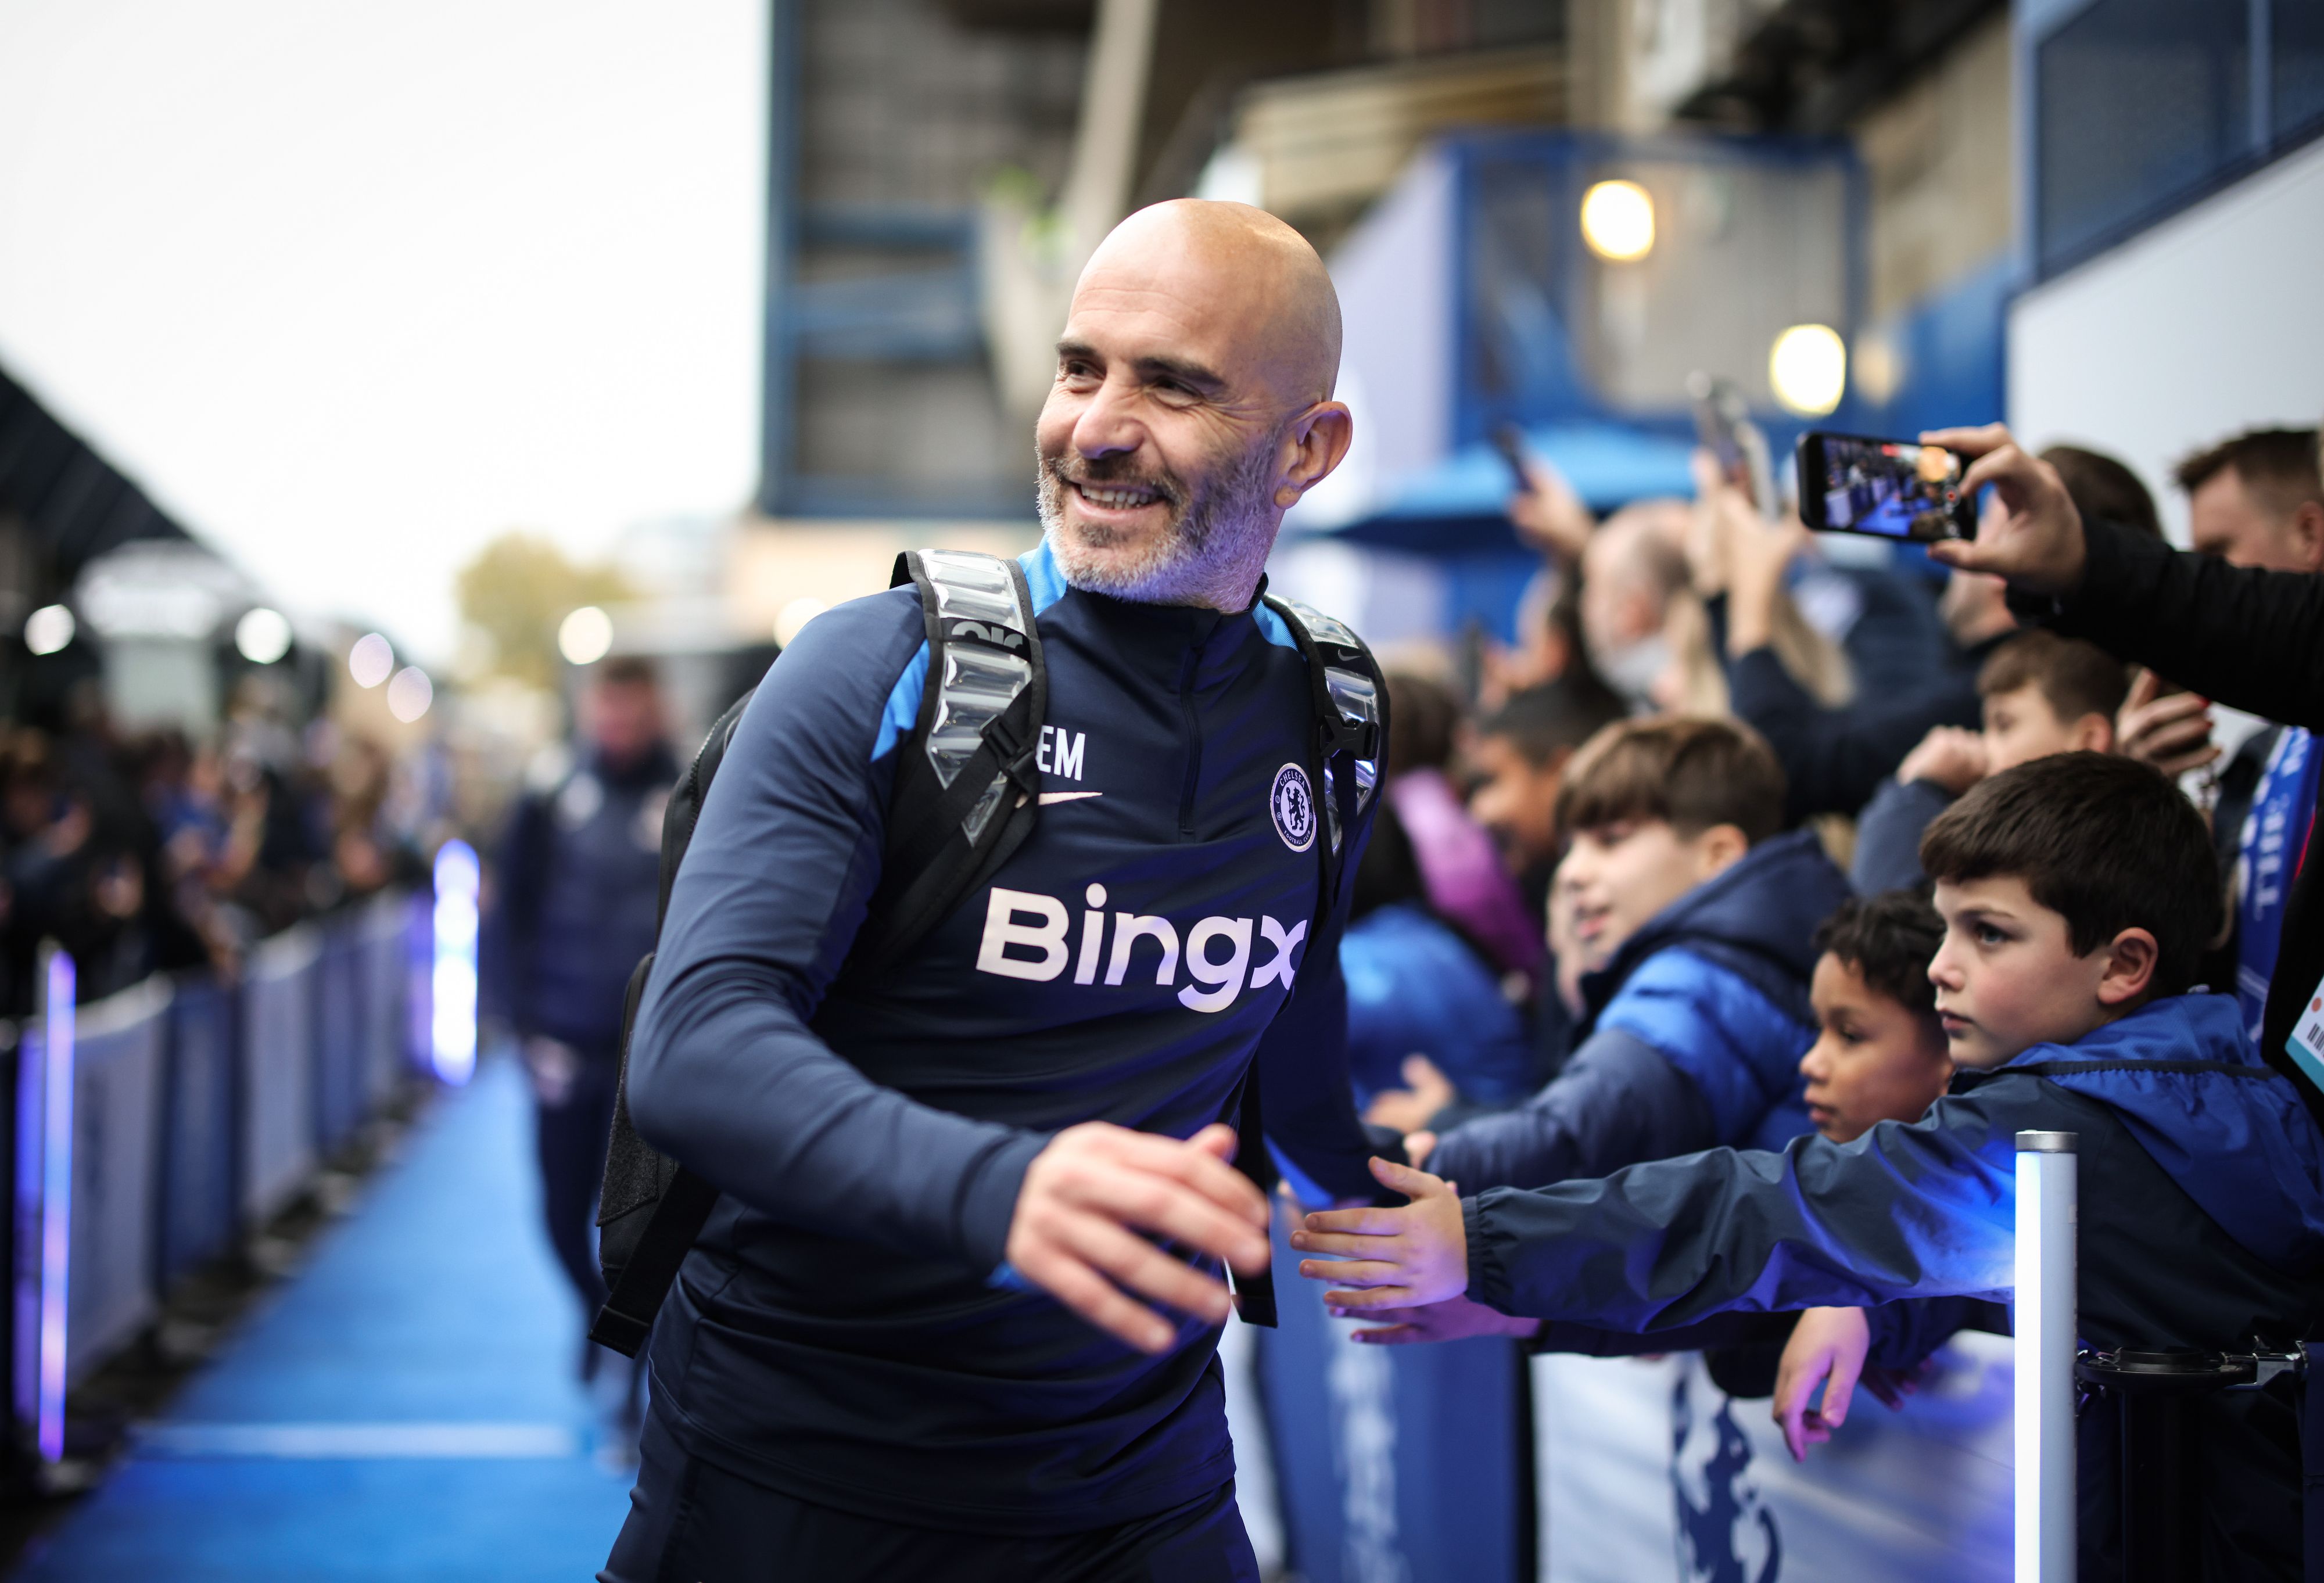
{"x":1987,"y":935}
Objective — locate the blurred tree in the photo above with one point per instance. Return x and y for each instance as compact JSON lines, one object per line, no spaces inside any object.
{"x":519,"y":589}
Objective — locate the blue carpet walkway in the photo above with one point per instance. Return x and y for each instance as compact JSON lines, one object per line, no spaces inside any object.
{"x":405,"y":1408}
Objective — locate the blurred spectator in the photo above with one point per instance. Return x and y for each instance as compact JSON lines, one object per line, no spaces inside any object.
{"x":1634,"y":567}
{"x":2252,"y":500}
{"x":1835,"y":759}
{"x":1428,"y":1017}
{"x":1465,"y":881}
{"x":580,"y":890}
{"x":2257,"y":501}
{"x":1517,"y":758}
{"x":2040,"y":694}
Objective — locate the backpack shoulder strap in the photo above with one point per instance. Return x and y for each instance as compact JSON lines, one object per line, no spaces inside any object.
{"x":1350,"y":701}
{"x":968,"y":785}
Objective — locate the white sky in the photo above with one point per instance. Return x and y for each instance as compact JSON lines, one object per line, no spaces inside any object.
{"x":350,"y":289}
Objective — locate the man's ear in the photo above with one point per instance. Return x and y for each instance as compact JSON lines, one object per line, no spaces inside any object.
{"x":2093,"y":733}
{"x":2129,"y":968}
{"x":1317,"y":442}
{"x":2308,"y":534}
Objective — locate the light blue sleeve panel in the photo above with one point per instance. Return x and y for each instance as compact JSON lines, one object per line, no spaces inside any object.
{"x":902,"y":710}
{"x":1715,"y":1026}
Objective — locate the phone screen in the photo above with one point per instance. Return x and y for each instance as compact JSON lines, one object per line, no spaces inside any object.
{"x":1893,"y":489}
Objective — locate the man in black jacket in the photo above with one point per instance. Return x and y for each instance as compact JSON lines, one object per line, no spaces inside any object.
{"x":2241,"y":636}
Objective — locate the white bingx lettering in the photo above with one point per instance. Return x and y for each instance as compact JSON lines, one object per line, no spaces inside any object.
{"x":1025,"y":938}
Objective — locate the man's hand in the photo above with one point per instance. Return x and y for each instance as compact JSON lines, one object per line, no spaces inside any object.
{"x":2172,"y":731}
{"x":1752,"y":553}
{"x":1417,"y":1147}
{"x":1549,"y":515}
{"x":1096,"y":1186}
{"x":2034,"y":536}
{"x":1456,"y":1319}
{"x":1397,"y":1258}
{"x":1426,"y":1091}
{"x":1949,"y":757}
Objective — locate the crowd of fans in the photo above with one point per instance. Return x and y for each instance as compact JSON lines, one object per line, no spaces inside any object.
{"x":1716,"y":763}
{"x":144,"y":852}
{"x":1874,"y":695}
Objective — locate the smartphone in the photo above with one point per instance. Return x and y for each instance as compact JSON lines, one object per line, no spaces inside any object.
{"x":1722,"y":423}
{"x":1508,"y":439}
{"x":1886,"y":488}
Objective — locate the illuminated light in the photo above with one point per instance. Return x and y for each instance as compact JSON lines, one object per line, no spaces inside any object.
{"x":1879,"y":366}
{"x":585,"y":636}
{"x":56,"y":1197}
{"x":794,"y":616}
{"x":1618,"y":221}
{"x":372,"y":660}
{"x":410,"y":694}
{"x":1808,"y":369}
{"x":49,"y":629}
{"x":263,"y":636}
{"x":452,"y":1022}
{"x":2043,"y":1321}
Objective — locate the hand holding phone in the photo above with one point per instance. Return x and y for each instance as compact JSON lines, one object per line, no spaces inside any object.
{"x":1546,"y":511}
{"x":1884,"y":488}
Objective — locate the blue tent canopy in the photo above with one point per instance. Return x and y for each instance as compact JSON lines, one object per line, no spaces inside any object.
{"x":1456,"y":506}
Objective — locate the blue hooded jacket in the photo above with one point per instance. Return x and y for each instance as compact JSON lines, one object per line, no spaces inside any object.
{"x":1690,"y":1036}
{"x":1415,"y":988}
{"x":2201,"y":1225}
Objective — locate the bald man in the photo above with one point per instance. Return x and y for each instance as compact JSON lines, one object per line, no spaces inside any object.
{"x":954,"y":1316}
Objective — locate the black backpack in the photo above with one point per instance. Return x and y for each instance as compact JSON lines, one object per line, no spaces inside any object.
{"x":966,"y":794}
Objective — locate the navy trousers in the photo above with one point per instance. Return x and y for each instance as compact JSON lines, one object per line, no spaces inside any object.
{"x":693,"y":1523}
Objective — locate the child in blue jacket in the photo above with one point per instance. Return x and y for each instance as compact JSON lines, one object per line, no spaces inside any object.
{"x":2078,"y":892}
{"x":1696,"y":921}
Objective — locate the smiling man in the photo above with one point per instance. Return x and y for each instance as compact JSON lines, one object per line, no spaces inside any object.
{"x":956,"y":1312}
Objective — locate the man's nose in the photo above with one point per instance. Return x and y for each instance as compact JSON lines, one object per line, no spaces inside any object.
{"x":1107,"y":426}
{"x":1942,"y":971}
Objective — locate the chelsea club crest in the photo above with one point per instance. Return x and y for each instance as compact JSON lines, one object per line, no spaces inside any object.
{"x":1293,"y":803}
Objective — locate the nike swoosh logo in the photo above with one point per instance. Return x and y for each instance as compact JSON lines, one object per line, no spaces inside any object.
{"x":1048,"y":797}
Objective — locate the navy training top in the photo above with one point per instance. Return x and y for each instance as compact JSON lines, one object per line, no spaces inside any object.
{"x":838,"y":1332}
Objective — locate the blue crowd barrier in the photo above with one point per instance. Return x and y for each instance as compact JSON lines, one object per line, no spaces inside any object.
{"x":279,"y":1112}
{"x":117,"y":1152}
{"x":338,"y":1038}
{"x":196,"y":1216}
{"x":1468,"y":1461}
{"x":199,"y":1110}
{"x":1393,"y":1464}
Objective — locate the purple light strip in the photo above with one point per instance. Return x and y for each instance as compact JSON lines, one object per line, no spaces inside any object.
{"x":56,"y":1198}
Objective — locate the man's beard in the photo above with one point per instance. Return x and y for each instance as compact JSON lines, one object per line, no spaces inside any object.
{"x":1211,"y":552}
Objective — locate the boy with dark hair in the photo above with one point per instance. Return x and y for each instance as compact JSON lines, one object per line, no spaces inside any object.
{"x":2078,"y":892}
{"x":1692,"y":917}
{"x":2042,"y":693}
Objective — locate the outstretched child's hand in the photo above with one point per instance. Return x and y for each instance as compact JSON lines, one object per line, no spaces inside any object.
{"x":1828,"y":1344}
{"x":1394,"y":1258}
{"x":1456,"y":1319}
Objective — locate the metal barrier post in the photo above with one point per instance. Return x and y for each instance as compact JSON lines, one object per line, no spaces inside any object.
{"x":2045,"y":1347}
